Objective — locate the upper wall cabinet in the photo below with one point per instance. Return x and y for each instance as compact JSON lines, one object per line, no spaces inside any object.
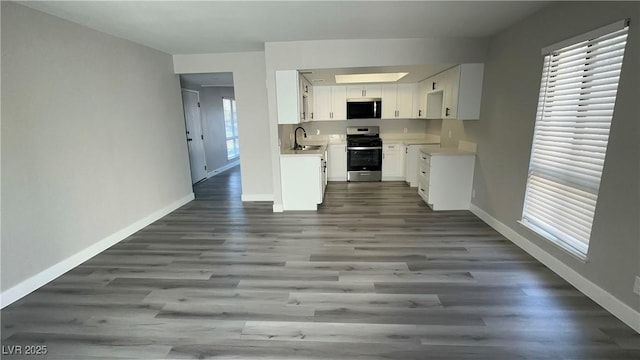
{"x":421,"y":99}
{"x":288,"y":97}
{"x":364,"y":91}
{"x":330,"y":102}
{"x":306,"y":99}
{"x":398,"y":101}
{"x":455,"y":93}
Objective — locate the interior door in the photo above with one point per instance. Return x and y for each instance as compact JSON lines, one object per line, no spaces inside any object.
{"x":195,"y":141}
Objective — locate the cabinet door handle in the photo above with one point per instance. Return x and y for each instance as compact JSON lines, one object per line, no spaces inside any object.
{"x":419,"y":112}
{"x":447,"y":112}
{"x":433,"y":85}
{"x":311,"y":116}
{"x":406,"y":150}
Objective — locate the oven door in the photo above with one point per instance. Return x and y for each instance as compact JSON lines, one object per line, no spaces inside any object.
{"x":364,"y":158}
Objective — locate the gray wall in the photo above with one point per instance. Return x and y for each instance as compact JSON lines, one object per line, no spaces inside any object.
{"x":251,"y":102}
{"x":505,"y":130}
{"x":92,"y":139}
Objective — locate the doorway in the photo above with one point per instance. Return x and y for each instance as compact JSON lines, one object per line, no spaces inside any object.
{"x":218,"y":143}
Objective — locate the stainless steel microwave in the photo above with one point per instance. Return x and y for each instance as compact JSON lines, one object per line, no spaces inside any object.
{"x":364,"y":108}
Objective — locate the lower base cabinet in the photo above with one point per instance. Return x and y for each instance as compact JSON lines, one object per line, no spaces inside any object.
{"x":445,"y":180}
{"x":303,"y":179}
{"x":392,"y":162}
{"x":337,"y":162}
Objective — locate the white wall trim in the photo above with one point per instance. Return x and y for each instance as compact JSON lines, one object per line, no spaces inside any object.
{"x":393,"y":178}
{"x":619,"y":309}
{"x":222,"y":168}
{"x":257,"y":197}
{"x":42,"y":278}
{"x":278,"y":208}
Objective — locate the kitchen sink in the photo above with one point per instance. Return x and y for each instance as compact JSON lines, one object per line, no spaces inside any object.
{"x":310,"y":147}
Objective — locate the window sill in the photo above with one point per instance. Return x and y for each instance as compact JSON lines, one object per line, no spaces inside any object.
{"x":556,"y":242}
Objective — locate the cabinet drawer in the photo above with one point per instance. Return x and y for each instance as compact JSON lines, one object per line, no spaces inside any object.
{"x":426,"y":159}
{"x":424,"y":193}
{"x":423,"y":181}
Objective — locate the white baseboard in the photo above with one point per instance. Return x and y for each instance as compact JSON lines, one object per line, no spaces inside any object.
{"x":42,"y":278}
{"x":257,"y":197}
{"x":222,"y":169}
{"x":278,"y":208}
{"x":622,"y":311}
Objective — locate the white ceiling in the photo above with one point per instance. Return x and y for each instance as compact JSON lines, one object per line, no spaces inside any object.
{"x":191,"y":27}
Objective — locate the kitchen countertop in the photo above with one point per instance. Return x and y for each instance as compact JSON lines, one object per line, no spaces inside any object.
{"x":433,"y":151}
{"x":325,"y":141}
{"x":319,"y":152}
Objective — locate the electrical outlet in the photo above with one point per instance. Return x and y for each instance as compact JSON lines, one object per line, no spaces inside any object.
{"x":636,"y":285}
{"x":405,"y":130}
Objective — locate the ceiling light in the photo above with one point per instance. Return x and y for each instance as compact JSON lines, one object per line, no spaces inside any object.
{"x":369,"y":78}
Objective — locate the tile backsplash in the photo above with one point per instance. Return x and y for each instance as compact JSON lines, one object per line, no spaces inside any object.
{"x":450,"y":131}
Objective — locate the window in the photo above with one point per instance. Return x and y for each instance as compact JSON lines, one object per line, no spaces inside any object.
{"x":575,"y":107}
{"x":231,"y":128}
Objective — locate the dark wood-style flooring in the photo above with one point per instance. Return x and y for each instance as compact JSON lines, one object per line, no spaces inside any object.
{"x":374,"y":274}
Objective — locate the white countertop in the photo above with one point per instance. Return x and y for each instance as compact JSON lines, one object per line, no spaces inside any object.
{"x":326,"y":140}
{"x":433,"y":151}
{"x":319,"y":152}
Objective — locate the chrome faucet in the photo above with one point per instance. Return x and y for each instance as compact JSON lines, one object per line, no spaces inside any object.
{"x":297,"y":146}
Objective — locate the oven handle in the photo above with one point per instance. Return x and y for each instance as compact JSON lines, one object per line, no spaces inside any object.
{"x":365,"y":148}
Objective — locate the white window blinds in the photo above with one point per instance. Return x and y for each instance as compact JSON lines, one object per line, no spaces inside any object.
{"x":575,"y":107}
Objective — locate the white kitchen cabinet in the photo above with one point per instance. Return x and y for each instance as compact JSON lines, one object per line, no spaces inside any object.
{"x":405,"y":100}
{"x":392,"y":162}
{"x":303,"y":179}
{"x":330,"y":103}
{"x":445,"y":180}
{"x":339,"y":102}
{"x":412,"y":163}
{"x":306,"y":100}
{"x":421,"y":100}
{"x":464,"y":92}
{"x":436,"y":83}
{"x":364,"y":91}
{"x":287,"y":96}
{"x":455,"y":93}
{"x":337,"y":162}
{"x":398,"y":101}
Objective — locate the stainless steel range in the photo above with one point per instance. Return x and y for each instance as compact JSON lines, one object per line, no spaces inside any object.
{"x":364,"y":153}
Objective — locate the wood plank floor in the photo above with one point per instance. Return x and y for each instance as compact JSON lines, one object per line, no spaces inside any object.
{"x":374,"y":274}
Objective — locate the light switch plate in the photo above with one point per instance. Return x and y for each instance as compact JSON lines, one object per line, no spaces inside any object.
{"x":636,"y":285}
